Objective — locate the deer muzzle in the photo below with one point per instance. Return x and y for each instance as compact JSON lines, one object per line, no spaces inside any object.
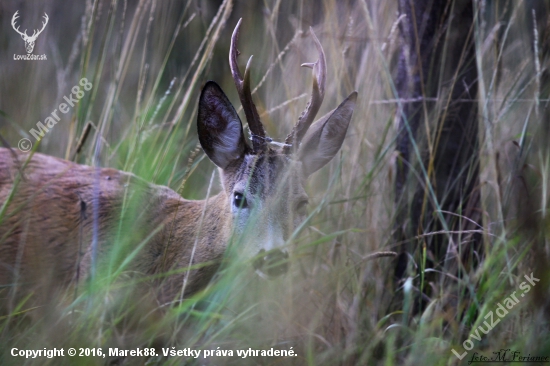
{"x":271,"y":264}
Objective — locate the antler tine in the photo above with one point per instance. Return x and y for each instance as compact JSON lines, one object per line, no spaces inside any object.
{"x":43,"y":25}
{"x":46,"y":19}
{"x":243,"y":88}
{"x":317,"y":94}
{"x":13,"y":20}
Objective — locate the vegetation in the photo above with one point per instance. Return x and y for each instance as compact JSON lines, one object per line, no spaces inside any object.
{"x":147,"y":61}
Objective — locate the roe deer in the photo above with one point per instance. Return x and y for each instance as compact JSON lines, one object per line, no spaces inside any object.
{"x":57,"y":217}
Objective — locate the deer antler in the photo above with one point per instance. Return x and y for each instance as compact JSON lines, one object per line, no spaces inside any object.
{"x":24,"y":34}
{"x":13,"y":19}
{"x":319,"y":67}
{"x":243,"y":88}
{"x":34,"y":34}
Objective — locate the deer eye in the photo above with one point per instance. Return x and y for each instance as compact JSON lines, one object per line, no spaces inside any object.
{"x":301,"y":207}
{"x":239,"y":201}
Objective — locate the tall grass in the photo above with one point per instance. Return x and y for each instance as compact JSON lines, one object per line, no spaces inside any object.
{"x":147,"y":61}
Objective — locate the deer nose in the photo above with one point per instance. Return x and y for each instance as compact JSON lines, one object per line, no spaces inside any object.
{"x":273,"y":263}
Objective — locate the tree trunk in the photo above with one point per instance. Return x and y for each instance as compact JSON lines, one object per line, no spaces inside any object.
{"x":437,"y":143}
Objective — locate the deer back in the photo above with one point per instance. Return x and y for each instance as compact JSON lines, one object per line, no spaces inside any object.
{"x":54,"y":207}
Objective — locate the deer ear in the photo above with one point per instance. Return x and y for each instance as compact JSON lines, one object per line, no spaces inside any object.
{"x":325,"y":137}
{"x":219,"y":127}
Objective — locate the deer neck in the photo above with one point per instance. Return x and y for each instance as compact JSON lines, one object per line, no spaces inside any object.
{"x":202,"y":228}
{"x":195,"y":232}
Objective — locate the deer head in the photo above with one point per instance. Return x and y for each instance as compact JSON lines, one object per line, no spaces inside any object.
{"x":29,"y":40}
{"x":264,"y":185}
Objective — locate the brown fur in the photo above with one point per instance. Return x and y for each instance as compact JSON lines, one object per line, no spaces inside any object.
{"x":53,"y":211}
{"x":50,"y":215}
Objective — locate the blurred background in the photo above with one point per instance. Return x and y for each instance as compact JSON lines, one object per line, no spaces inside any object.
{"x":147,"y":61}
